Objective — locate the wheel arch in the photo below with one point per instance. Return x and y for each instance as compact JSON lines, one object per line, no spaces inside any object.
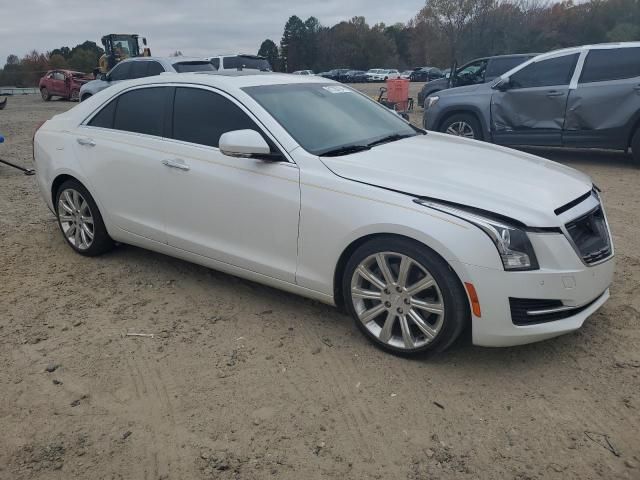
{"x":59,"y":180}
{"x":338,"y":294}
{"x":467,"y":110}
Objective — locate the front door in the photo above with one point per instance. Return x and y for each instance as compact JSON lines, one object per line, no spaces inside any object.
{"x":240,"y":211}
{"x":530,"y":108}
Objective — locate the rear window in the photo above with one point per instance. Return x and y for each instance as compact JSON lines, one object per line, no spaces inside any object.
{"x":498,"y":66}
{"x":611,"y":64}
{"x":182,"y":67}
{"x":121,"y":71}
{"x":251,"y":63}
{"x":141,"y":111}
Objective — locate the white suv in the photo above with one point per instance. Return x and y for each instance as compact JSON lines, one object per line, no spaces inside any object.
{"x":382,"y":74}
{"x":240,"y":62}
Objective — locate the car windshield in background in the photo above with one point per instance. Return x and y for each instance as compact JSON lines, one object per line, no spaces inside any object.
{"x":247,"y":61}
{"x":329,"y":119}
{"x":183,"y":67}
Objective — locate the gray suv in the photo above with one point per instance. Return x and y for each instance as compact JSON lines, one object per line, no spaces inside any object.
{"x":140,"y":67}
{"x":582,"y":97}
{"x":480,"y":70}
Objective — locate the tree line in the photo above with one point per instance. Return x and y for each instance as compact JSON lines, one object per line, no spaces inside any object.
{"x":27,"y":71}
{"x":447,"y":30}
{"x":441,"y":32}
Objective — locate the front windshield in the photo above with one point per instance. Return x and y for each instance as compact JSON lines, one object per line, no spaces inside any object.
{"x":183,"y":67}
{"x":325,"y":117}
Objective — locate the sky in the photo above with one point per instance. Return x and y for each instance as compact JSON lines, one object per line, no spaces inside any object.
{"x":195,"y":27}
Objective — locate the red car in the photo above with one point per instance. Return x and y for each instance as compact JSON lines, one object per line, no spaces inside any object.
{"x":62,"y":83}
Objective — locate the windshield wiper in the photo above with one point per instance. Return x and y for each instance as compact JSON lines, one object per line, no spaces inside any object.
{"x":389,"y":138}
{"x":346,"y":150}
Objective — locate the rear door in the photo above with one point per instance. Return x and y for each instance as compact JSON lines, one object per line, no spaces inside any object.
{"x":57,"y":83}
{"x":610,"y":81}
{"x":122,"y":145}
{"x":531,"y":110}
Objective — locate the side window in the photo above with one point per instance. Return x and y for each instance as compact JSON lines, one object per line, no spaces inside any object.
{"x":58,"y":76}
{"x":141,"y":111}
{"x":472,"y":73}
{"x":104,"y":118}
{"x":121,"y":72}
{"x":232,"y":62}
{"x":201,"y":116}
{"x":138,"y":70}
{"x":498,"y":66}
{"x":553,"y":72}
{"x":611,"y":64}
{"x":216,"y":63}
{"x":154,"y":68}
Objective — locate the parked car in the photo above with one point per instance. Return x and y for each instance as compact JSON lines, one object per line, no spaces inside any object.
{"x":382,"y":74}
{"x":303,"y":72}
{"x":62,"y":83}
{"x":417,"y":235}
{"x":140,"y":67}
{"x":335,"y":74}
{"x":240,"y":61}
{"x":582,"y":97}
{"x":406,"y":74}
{"x":355,"y":76}
{"x":481,"y":70}
{"x":425,"y":74}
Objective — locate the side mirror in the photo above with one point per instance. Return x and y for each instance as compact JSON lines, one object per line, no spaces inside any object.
{"x":245,"y":144}
{"x":502,"y":85}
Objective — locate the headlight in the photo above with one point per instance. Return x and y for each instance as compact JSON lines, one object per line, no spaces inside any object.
{"x":431,"y":101}
{"x":512,"y":242}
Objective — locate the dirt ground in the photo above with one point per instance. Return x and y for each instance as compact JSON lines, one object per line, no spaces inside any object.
{"x":244,"y":381}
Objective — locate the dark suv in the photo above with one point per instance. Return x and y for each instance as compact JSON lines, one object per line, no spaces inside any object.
{"x":480,"y":70}
{"x":581,"y":97}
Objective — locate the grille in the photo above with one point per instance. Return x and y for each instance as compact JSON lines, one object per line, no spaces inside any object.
{"x":520,"y":307}
{"x":591,"y":236}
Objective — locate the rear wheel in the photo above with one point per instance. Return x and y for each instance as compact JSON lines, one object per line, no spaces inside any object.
{"x":75,"y":96}
{"x":404,"y":297}
{"x":80,"y":220}
{"x":635,"y":146}
{"x":46,"y":96}
{"x":462,"y":125}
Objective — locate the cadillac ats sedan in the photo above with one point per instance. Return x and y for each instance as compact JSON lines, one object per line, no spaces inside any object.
{"x":306,"y":185}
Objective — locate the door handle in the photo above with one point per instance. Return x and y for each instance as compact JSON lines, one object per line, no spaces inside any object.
{"x":179,"y":164}
{"x":86,"y":142}
{"x":554,"y":93}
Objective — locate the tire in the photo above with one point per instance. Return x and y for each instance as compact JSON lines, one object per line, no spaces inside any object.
{"x":46,"y":96}
{"x":75,"y":96}
{"x":466,"y":124}
{"x":74,"y":207}
{"x":635,"y":147}
{"x":397,"y":304}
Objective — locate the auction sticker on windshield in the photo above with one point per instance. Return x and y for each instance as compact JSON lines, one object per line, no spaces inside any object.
{"x":336,"y":89}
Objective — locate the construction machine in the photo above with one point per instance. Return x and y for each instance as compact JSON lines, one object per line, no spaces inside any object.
{"x":118,"y":46}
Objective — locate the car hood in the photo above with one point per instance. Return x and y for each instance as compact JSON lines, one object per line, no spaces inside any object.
{"x":467,"y":172}
{"x":465,"y":90}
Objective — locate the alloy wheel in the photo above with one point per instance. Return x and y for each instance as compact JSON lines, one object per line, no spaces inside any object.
{"x":397,"y":300}
{"x":461,"y":129}
{"x":76,"y":219}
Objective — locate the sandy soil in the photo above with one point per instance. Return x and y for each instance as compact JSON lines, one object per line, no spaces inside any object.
{"x":243,"y":381}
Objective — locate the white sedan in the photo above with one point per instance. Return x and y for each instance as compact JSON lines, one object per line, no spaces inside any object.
{"x":309,"y":186}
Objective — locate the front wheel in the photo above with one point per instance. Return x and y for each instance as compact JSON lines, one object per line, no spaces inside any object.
{"x":46,"y":96}
{"x":404,"y":297}
{"x":80,"y":220}
{"x":462,"y":125}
